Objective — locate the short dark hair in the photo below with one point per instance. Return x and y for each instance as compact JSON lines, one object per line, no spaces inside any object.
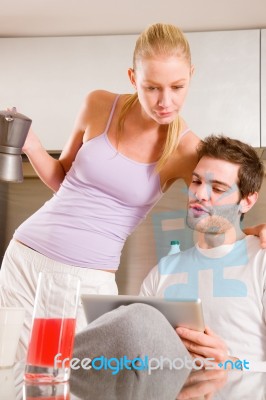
{"x":251,"y":171}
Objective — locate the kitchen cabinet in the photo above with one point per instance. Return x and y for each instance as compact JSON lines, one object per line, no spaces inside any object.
{"x":47,"y":78}
{"x":263,"y":87}
{"x":225,"y":90}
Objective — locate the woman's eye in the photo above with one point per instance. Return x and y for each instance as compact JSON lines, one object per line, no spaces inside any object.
{"x":151,"y":88}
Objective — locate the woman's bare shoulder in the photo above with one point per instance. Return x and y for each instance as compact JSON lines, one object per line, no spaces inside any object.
{"x":182,"y":163}
{"x":95,"y":109}
{"x":187,"y":154}
{"x":99,"y":99}
{"x":188,"y":142}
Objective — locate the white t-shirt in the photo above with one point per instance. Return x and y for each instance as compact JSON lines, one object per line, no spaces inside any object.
{"x":231,"y":282}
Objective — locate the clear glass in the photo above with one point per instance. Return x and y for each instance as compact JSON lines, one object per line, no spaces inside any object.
{"x":58,"y":391}
{"x":53,"y":328}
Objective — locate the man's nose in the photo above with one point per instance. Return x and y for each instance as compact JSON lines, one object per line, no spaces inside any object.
{"x":203,"y":192}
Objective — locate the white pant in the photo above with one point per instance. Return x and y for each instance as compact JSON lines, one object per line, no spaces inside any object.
{"x":18,"y":281}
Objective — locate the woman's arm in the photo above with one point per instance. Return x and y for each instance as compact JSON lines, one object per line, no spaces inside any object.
{"x":188,"y":150}
{"x":51,"y":171}
{"x":258,"y":230}
{"x":181,"y":164}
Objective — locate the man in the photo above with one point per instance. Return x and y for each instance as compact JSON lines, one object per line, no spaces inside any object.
{"x":226,"y":268}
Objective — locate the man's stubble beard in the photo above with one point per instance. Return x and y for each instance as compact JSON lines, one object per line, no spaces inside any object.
{"x":217,"y":222}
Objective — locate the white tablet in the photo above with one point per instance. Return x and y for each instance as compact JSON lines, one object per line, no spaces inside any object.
{"x":186,"y":313}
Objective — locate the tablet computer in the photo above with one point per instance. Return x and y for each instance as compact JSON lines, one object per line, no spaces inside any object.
{"x":186,"y":313}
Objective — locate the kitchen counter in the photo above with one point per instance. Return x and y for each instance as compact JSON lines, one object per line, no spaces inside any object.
{"x":126,"y":385}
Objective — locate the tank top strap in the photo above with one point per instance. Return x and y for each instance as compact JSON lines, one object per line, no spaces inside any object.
{"x":184,"y":133}
{"x":111,"y":114}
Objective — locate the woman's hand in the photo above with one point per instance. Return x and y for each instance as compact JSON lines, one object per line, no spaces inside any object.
{"x":258,"y":230}
{"x":32,"y":142}
{"x":50,"y":170}
{"x":204,"y":344}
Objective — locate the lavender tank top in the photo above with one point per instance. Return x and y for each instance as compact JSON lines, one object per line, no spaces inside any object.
{"x":102,"y":199}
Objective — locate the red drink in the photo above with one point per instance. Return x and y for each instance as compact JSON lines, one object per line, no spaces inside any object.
{"x":50,"y":337}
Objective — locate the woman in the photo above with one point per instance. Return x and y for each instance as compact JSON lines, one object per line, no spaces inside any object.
{"x":124,"y":152}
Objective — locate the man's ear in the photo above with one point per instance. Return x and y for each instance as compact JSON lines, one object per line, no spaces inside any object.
{"x":248,"y":202}
{"x":131,"y":75}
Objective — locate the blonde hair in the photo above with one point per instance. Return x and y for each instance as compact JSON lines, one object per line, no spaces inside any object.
{"x":162,"y":39}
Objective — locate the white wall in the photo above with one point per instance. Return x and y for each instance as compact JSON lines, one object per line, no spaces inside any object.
{"x":47,"y":78}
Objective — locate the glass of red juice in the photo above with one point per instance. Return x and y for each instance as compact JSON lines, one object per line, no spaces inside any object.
{"x":53,"y":328}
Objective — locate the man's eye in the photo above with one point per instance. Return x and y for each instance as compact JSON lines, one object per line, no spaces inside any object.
{"x":218,"y":190}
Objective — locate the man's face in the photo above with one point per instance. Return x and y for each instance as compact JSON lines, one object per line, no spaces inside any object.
{"x":214,"y":197}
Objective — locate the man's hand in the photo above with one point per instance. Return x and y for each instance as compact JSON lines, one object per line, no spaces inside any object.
{"x":204,"y":344}
{"x":258,"y":230}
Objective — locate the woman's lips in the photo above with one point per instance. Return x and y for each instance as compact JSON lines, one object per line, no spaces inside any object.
{"x":164,"y":114}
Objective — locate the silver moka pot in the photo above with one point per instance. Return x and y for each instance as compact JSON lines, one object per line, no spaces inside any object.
{"x":14,"y":128}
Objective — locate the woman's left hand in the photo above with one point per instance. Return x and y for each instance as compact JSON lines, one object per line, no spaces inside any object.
{"x":258,"y":230}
